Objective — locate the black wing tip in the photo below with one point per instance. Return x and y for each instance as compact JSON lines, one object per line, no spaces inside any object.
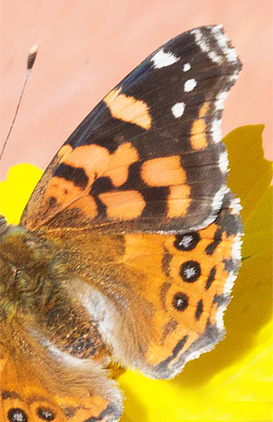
{"x":213,"y":40}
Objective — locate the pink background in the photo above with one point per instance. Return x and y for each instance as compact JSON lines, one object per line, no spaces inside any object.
{"x":87,"y":46}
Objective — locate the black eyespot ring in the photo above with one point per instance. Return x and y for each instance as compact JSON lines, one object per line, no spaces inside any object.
{"x":190,"y":271}
{"x":45,"y":413}
{"x":180,"y":301}
{"x":186,"y":242}
{"x":17,"y":415}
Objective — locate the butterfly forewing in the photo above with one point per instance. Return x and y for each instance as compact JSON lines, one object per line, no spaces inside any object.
{"x":148,"y":157}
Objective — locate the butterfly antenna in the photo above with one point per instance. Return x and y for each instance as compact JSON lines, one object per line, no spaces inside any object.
{"x":30,"y":62}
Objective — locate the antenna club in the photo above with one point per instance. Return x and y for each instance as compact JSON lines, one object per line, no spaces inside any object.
{"x":30,"y":62}
{"x":32,"y":56}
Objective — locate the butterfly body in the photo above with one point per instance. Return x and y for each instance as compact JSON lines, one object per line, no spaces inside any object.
{"x":128,"y":248}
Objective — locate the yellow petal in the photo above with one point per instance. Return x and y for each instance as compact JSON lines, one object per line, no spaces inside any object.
{"x":16,"y":190}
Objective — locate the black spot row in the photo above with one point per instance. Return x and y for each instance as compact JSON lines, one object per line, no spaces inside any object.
{"x":19,"y":415}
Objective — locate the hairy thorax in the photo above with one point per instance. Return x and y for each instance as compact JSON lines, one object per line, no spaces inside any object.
{"x":35,"y":298}
{"x":28,"y":271}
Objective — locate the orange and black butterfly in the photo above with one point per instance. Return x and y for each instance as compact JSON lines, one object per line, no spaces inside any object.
{"x":129,"y":245}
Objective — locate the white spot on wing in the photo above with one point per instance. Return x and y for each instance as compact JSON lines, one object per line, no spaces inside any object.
{"x":234,"y":77}
{"x":162,"y":59}
{"x":229,"y":283}
{"x":208,"y":221}
{"x":220,"y":318}
{"x":202,"y":41}
{"x":235,"y":206}
{"x":226,"y":52}
{"x":178,"y":109}
{"x":189,"y":85}
{"x":218,"y":198}
{"x":222,"y":41}
{"x":186,"y":240}
{"x":186,"y":67}
{"x":216,"y":130}
{"x":219,"y":103}
{"x":189,"y":272}
{"x":236,"y":248}
{"x":223,"y":162}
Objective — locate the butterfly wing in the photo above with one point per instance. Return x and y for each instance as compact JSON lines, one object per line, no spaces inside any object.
{"x":148,"y":157}
{"x":35,"y":386}
{"x":186,"y":279}
{"x":138,"y":196}
{"x":158,"y":299}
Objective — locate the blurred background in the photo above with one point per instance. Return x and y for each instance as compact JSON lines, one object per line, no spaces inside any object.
{"x":86,"y":47}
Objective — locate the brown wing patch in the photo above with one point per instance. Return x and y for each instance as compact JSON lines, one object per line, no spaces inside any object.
{"x":128,"y":109}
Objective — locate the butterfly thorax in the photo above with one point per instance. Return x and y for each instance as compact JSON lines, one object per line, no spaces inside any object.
{"x":33,"y":273}
{"x":27,"y":268}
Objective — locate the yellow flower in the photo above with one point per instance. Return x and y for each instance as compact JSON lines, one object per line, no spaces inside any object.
{"x":234,"y":381}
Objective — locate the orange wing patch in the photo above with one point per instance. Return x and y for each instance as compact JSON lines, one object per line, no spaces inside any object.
{"x":92,"y":162}
{"x":123,"y":205}
{"x":64,"y":151}
{"x":121,"y":159}
{"x":128,"y":109}
{"x":178,"y":200}
{"x":93,"y":159}
{"x":165,"y":171}
{"x":198,"y":131}
{"x":64,"y":192}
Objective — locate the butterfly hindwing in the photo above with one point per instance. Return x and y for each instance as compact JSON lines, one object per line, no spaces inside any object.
{"x":158,"y":300}
{"x":39,"y":385}
{"x":148,"y":157}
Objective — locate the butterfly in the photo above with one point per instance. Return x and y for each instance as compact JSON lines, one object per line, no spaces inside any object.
{"x":128,"y":248}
